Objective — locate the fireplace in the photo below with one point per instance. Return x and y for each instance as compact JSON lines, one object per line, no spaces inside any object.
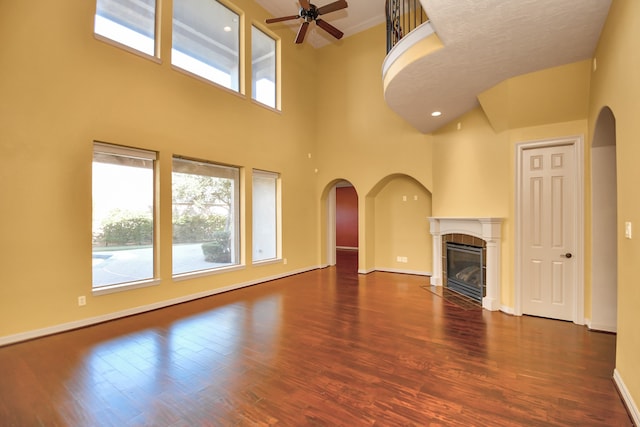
{"x":465,"y":270}
{"x":483,"y":232}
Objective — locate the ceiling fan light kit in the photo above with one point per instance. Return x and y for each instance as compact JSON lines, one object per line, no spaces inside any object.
{"x":310,"y":12}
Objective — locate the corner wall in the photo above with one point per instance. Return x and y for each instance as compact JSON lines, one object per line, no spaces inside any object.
{"x":615,"y":84}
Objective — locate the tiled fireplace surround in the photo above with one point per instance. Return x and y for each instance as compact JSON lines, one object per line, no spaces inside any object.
{"x":472,"y":231}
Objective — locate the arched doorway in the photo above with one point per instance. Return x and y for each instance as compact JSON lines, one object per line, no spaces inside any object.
{"x":346,"y":226}
{"x":341,"y":225}
{"x":604,"y":279}
{"x":393,"y":231}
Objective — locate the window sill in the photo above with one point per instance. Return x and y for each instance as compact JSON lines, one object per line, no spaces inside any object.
{"x":268,"y":261}
{"x":121,"y":287}
{"x":230,"y":90}
{"x":127,"y":48}
{"x":265,"y":106}
{"x":203,"y":273}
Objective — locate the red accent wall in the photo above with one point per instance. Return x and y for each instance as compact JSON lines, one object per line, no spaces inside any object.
{"x":346,"y":217}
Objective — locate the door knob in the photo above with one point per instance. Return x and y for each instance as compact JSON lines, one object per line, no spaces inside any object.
{"x":567,"y":255}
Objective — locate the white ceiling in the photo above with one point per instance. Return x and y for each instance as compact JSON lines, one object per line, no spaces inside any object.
{"x":485,"y":42}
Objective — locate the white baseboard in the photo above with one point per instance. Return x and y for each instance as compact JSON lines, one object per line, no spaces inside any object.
{"x":63,"y":327}
{"x":508,"y":310}
{"x":626,"y":397}
{"x":602,"y":327}
{"x":403,"y":271}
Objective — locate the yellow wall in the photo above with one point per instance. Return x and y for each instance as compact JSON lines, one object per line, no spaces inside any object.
{"x":401,"y":229}
{"x":616,"y":84}
{"x":558,"y":94}
{"x":361,"y":140}
{"x":61,"y":90}
{"x":474,"y":176}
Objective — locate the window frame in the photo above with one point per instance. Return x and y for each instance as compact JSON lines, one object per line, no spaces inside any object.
{"x":277,"y":213}
{"x":237,"y":257}
{"x":277,"y":71}
{"x":240,"y":54}
{"x":140,"y":154}
{"x":155,"y":56}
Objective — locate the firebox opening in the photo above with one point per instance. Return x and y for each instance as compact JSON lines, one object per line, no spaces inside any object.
{"x":465,"y":271}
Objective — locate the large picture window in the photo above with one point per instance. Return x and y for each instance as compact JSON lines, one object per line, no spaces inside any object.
{"x":205,"y":215}
{"x":265,"y":215}
{"x":123,"y":215}
{"x":206,"y":41}
{"x":129,"y":22}
{"x":263,"y":68}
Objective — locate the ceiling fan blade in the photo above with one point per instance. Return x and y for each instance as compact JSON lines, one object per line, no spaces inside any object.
{"x":284,"y":18}
{"x":305,"y":4}
{"x":332,"y":7}
{"x":329,"y":28}
{"x":301,"y":32}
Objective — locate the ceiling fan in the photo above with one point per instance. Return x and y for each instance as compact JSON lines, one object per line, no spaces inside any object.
{"x":309,"y":12}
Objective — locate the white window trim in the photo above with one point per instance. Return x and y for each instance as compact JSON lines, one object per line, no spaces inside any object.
{"x":278,"y":40}
{"x":238,"y":232}
{"x":155,"y":57}
{"x":138,"y":153}
{"x":121,"y":287}
{"x":278,"y":256}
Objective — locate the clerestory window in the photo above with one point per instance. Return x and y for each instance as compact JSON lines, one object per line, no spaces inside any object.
{"x":131,"y":23}
{"x":206,"y":41}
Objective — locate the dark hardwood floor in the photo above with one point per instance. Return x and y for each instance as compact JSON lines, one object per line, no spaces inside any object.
{"x":324,"y":348}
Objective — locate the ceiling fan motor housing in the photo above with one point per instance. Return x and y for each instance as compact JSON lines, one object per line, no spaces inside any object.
{"x":309,"y":15}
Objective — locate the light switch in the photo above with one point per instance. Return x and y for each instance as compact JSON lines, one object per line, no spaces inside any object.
{"x":627,"y":229}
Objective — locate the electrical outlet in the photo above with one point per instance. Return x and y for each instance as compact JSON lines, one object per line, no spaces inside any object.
{"x":284,"y":261}
{"x":82,"y":300}
{"x":405,"y":259}
{"x":398,"y":258}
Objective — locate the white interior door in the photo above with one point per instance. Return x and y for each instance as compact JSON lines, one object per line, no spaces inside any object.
{"x":549,"y":242}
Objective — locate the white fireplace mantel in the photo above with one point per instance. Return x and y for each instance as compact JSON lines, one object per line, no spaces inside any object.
{"x":487,"y":229}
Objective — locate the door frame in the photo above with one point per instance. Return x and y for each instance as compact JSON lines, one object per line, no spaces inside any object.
{"x":577,"y":143}
{"x":331,"y":226}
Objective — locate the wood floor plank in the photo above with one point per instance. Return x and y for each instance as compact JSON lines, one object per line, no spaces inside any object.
{"x":324,"y":348}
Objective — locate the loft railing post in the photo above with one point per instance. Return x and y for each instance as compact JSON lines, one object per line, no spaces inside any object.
{"x":402,"y":16}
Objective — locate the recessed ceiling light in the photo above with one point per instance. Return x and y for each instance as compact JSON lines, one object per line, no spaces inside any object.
{"x":227,"y":29}
{"x":436,"y":113}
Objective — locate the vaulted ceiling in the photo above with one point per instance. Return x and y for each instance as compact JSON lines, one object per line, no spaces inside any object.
{"x":484,"y":42}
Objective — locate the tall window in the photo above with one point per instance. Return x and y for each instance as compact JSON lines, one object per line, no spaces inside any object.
{"x":206,"y":41}
{"x":205,"y":215}
{"x":128,"y":22}
{"x":263,"y":68}
{"x":123,"y":215}
{"x":265,"y":215}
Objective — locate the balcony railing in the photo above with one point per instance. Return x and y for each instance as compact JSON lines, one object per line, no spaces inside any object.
{"x":403,"y":16}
